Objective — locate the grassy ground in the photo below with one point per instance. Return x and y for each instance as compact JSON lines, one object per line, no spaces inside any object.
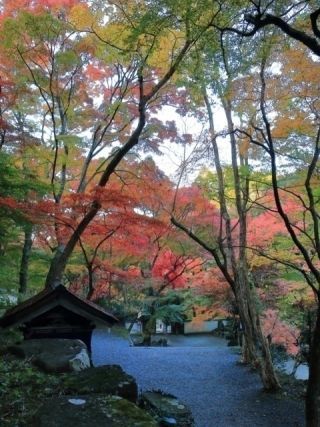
{"x":21,"y":390}
{"x":22,"y":386}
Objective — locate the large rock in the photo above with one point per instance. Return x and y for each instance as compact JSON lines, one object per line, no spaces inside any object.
{"x":54,"y":354}
{"x":166,"y":409}
{"x":84,"y":411}
{"x":108,"y":379}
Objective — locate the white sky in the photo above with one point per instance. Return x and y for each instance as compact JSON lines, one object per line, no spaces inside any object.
{"x":174,"y":154}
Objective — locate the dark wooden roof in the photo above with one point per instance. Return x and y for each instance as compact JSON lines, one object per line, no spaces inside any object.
{"x":51,"y":298}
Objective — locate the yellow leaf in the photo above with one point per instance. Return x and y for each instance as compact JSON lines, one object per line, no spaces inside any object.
{"x":244,"y":147}
{"x":164,"y":50}
{"x":115,"y":34}
{"x":81,"y":17}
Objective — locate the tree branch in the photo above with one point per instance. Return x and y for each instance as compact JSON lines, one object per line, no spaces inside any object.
{"x":212,"y":251}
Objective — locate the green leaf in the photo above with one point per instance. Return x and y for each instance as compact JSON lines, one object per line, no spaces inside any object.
{"x":69,"y":140}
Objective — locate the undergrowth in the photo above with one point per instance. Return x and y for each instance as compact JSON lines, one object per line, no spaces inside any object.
{"x":22,"y":386}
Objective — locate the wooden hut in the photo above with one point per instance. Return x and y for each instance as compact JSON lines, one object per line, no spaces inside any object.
{"x":58,"y":313}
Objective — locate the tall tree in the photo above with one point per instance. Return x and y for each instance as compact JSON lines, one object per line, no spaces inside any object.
{"x":217,"y":67}
{"x":129,"y":50}
{"x":279,"y":124}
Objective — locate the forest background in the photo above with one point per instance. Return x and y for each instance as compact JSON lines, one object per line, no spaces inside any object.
{"x":85,"y":90}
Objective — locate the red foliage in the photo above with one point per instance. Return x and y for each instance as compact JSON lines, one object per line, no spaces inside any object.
{"x":134,"y":271}
{"x":279,"y":332}
{"x":211,"y":282}
{"x":170,"y":268}
{"x":12,"y":6}
{"x":263,"y":228}
{"x":197,"y":209}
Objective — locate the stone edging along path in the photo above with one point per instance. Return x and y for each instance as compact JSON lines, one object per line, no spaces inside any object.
{"x":204,"y":374}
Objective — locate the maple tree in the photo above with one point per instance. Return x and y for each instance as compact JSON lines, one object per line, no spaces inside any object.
{"x":57,"y":47}
{"x":228,"y":240}
{"x":294,"y":122}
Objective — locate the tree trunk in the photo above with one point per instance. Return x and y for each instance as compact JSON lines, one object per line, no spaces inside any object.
{"x":313,"y":389}
{"x":59,"y":262}
{"x":250,"y":344}
{"x":256,"y":351}
{"x":258,"y":358}
{"x":90,"y":282}
{"x":24,"y":264}
{"x":257,"y":346}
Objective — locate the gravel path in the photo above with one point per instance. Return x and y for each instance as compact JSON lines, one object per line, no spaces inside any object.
{"x":202,"y":372}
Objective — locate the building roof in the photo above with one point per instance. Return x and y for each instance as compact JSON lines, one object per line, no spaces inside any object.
{"x":51,"y":298}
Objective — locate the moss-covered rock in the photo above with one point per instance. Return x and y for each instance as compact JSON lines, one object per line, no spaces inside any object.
{"x":167,"y":409}
{"x":54,"y":354}
{"x":108,"y":379}
{"x":84,"y":411}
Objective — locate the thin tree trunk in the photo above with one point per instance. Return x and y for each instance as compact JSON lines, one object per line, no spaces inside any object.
{"x":59,"y":262}
{"x":248,"y":315}
{"x":313,"y":389}
{"x":24,"y":264}
{"x":90,"y":281}
{"x":237,"y":284}
{"x":254,"y":337}
{"x":257,"y":351}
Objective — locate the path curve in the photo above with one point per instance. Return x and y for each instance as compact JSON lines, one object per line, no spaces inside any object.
{"x":204,"y":374}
